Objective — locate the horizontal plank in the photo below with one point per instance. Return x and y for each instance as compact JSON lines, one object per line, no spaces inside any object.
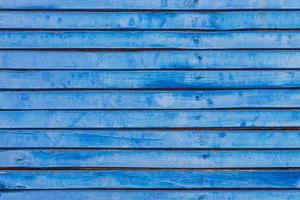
{"x":253,"y":59}
{"x":85,"y":79}
{"x":150,"y":158}
{"x":149,"y":195}
{"x":149,"y":39}
{"x":148,"y":139}
{"x":148,"y":4}
{"x":150,"y":119}
{"x":151,"y":20}
{"x":149,"y":99}
{"x":149,"y":179}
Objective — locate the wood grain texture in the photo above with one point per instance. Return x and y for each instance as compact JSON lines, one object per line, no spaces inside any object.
{"x":150,"y":119}
{"x":149,"y":4}
{"x":196,"y":159}
{"x":149,"y":39}
{"x":88,"y":79}
{"x":151,"y":20}
{"x":148,"y":139}
{"x":150,"y":195}
{"x":231,"y":59}
{"x":149,"y":179}
{"x":149,"y":99}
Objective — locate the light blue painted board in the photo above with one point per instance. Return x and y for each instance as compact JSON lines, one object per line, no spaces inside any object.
{"x":150,"y":195}
{"x":149,"y":179}
{"x":88,"y":79}
{"x":254,"y":59}
{"x":149,"y":4}
{"x":196,"y":159}
{"x":149,"y":39}
{"x":151,"y":20}
{"x":148,"y":139}
{"x":150,"y":119}
{"x":149,"y":99}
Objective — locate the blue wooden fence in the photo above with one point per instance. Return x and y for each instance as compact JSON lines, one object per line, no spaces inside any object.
{"x":149,"y":99}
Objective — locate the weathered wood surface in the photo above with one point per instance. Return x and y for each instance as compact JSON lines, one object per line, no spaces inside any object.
{"x":196,"y":159}
{"x":151,"y":194}
{"x":195,"y":59}
{"x":151,"y":119}
{"x":149,"y":4}
{"x":149,"y":99}
{"x":149,"y":40}
{"x":151,"y":20}
{"x":265,"y":139}
{"x":149,"y":179}
{"x":95,"y":79}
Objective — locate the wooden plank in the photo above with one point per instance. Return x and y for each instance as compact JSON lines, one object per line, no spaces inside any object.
{"x":150,"y":195}
{"x":150,"y":119}
{"x":149,"y":39}
{"x":148,"y":139}
{"x":254,"y":59}
{"x":149,"y":179}
{"x":151,"y":20}
{"x":149,"y":4}
{"x":197,"y":159}
{"x":88,"y":79}
{"x":149,"y":99}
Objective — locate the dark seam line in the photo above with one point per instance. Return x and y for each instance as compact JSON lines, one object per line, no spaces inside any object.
{"x":66,"y":68}
{"x":270,"y":129}
{"x":148,"y":91}
{"x":152,"y":189}
{"x":150,"y":11}
{"x":149,"y":69}
{"x":160,"y":128}
{"x":150,"y":29}
{"x":146,"y":9}
{"x":157,"y":128}
{"x":139,"y":49}
{"x":180,"y":31}
{"x":144,"y":49}
{"x":144,"y":168}
{"x":198,"y":149}
{"x":123,"y":169}
{"x":149,"y":109}
{"x":145,"y":89}
{"x":124,"y":50}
